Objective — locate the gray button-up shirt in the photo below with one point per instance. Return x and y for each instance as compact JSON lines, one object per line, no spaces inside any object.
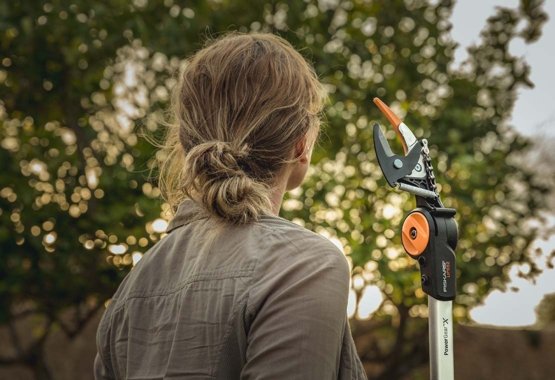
{"x":265,"y":300}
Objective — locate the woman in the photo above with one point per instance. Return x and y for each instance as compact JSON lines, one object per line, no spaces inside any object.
{"x":234,"y":291}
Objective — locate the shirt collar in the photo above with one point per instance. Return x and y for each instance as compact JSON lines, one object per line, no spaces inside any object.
{"x":190,"y":210}
{"x":187,"y":212}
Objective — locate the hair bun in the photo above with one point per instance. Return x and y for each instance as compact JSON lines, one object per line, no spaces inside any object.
{"x":216,"y":177}
{"x":219,"y":157}
{"x":222,"y":147}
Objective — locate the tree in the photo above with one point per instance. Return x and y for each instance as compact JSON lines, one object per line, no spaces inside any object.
{"x":545,"y":311}
{"x":403,"y":52}
{"x":79,"y":82}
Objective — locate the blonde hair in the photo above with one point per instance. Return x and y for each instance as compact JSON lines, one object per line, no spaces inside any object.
{"x":240,"y":105}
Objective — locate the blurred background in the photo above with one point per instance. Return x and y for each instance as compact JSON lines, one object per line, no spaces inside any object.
{"x":84,"y":86}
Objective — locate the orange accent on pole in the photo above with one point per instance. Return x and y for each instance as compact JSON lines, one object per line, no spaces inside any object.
{"x":415,"y":233}
{"x":393,"y":119}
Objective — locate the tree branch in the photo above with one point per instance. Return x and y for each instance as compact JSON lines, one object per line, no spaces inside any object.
{"x":80,"y":322}
{"x":15,"y":338}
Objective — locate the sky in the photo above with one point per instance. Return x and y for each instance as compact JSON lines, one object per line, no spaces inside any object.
{"x":534,"y":115}
{"x":534,"y":111}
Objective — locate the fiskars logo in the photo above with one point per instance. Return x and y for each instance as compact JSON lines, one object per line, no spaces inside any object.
{"x":446,"y":273}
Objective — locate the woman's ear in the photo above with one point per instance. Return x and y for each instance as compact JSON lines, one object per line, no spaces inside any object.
{"x":301,"y":151}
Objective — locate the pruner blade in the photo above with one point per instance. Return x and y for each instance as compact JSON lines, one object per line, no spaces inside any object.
{"x":403,"y":132}
{"x":394,"y":167}
{"x":403,"y":172}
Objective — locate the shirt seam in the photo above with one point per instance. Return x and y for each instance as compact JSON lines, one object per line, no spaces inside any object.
{"x":196,"y":278}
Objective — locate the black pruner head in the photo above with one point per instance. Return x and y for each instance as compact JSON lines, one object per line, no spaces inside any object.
{"x":394,"y":167}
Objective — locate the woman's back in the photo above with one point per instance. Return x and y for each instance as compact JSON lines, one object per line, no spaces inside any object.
{"x":265,"y":300}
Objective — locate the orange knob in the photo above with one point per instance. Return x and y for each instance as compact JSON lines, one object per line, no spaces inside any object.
{"x":415,"y":233}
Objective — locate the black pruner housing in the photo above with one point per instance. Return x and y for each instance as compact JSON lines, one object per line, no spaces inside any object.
{"x":437,"y":262}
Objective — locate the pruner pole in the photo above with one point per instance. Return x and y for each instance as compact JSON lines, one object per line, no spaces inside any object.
{"x":429,"y":235}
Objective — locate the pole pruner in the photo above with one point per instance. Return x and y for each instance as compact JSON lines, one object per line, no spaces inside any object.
{"x":429,"y":235}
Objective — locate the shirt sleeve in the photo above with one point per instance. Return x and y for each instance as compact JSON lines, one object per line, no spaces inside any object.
{"x":102,"y":367}
{"x":299,"y":309}
{"x":101,"y":371}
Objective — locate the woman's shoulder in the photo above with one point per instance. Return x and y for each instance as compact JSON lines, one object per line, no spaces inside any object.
{"x":296,"y":265}
{"x":300,"y":238}
{"x":290,"y":244}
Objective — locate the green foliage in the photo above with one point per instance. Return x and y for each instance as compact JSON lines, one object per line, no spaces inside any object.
{"x":545,"y":311}
{"x":80,"y":79}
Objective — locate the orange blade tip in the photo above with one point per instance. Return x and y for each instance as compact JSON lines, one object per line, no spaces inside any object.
{"x":393,"y":119}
